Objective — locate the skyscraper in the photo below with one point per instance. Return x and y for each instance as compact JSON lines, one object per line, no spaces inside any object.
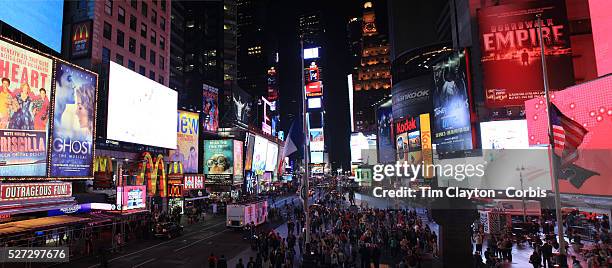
{"x":372,"y":79}
{"x":134,"y":34}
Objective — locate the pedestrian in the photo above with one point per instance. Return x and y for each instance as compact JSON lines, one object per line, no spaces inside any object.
{"x":239,"y":264}
{"x":546,"y":254}
{"x":535,"y":259}
{"x":251,"y":263}
{"x":222,"y":262}
{"x":478,"y":238}
{"x":575,"y":262}
{"x":212,"y":260}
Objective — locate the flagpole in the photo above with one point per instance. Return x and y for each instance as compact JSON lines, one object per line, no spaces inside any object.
{"x":305,"y":185}
{"x":553,"y":171}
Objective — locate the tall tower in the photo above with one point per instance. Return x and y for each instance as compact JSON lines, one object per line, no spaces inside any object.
{"x":372,"y":82}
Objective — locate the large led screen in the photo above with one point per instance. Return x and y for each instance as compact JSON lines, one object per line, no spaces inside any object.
{"x":141,"y":110}
{"x":41,"y":20}
{"x":508,"y":134}
{"x":250,"y":145}
{"x":386,"y":140}
{"x":219,"y":157}
{"x":211,"y":108}
{"x":589,"y":104}
{"x":260,"y":153}
{"x":73,"y":121}
{"x":451,"y":119}
{"x":24,"y":111}
{"x":317,"y":141}
{"x":238,"y":164}
{"x":316,"y":157}
{"x":187,"y":128}
{"x":511,"y":61}
{"x":271,"y":156}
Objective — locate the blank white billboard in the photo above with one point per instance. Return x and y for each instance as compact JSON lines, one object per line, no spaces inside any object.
{"x":140,"y":110}
{"x":272,"y":156}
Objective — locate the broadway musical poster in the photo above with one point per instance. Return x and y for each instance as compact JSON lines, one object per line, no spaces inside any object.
{"x":451,"y":122}
{"x":73,"y":121}
{"x":210,"y":100}
{"x":187,"y":141}
{"x":511,"y":61}
{"x":24,"y":111}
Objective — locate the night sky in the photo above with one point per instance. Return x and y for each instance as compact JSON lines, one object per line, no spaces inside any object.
{"x":282,"y":24}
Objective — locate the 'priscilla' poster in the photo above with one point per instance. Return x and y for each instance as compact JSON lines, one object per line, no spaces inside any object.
{"x":24,"y":111}
{"x":73,"y":121}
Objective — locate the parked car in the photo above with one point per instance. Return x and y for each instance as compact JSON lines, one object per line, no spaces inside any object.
{"x":167,"y":229}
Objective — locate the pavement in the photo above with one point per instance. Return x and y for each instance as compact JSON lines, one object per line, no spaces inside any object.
{"x":191,"y":249}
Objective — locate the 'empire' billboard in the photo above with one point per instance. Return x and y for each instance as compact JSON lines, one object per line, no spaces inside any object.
{"x":511,"y":61}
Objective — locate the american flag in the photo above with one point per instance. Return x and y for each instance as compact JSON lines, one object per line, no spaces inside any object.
{"x":567,"y":135}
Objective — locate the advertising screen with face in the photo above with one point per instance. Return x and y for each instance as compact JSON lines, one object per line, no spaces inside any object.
{"x":386,"y":148}
{"x":511,"y":62}
{"x":73,"y":121}
{"x":271,"y":156}
{"x":260,"y":153}
{"x":143,"y":111}
{"x":24,"y":111}
{"x":187,"y":141}
{"x":219,"y":157}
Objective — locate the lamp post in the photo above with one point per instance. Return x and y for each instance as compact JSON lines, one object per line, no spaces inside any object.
{"x":520,"y":170}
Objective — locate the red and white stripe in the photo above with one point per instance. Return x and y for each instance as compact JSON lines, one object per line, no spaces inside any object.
{"x":573,"y":134}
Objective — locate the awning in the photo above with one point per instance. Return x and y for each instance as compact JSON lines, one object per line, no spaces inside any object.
{"x":38,"y":224}
{"x":195,"y":198}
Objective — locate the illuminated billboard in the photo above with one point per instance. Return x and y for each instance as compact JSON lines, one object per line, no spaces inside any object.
{"x":24,"y":111}
{"x":311,"y":53}
{"x":210,"y":98}
{"x":508,"y":134}
{"x":250,"y":144}
{"x":511,"y":62}
{"x":143,"y":111}
{"x":386,"y":140}
{"x":314,"y":103}
{"x":73,"y":121}
{"x":271,"y":156}
{"x":260,"y":153}
{"x":132,"y":197}
{"x":188,"y":125}
{"x":238,"y":164}
{"x":41,"y":20}
{"x":34,"y":190}
{"x":218,"y":159}
{"x":317,"y":141}
{"x":316,"y":157}
{"x":413,"y":141}
{"x":314,"y":89}
{"x":589,"y":104}
{"x":451,"y":119}
{"x":80,"y":39}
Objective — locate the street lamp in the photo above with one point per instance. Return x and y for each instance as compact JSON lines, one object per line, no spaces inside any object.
{"x":520,"y":170}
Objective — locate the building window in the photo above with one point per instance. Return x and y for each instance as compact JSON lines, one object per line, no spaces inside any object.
{"x":121,"y":15}
{"x":152,"y":57}
{"x":153,"y":37}
{"x":105,"y":55}
{"x":108,"y":7}
{"x":142,"y":70}
{"x":119,"y":58}
{"x":143,"y":52}
{"x":162,"y":42}
{"x":162,"y":23}
{"x":132,"y":45}
{"x":143,"y":30}
{"x":131,"y":65}
{"x":143,"y":9}
{"x":152,"y":75}
{"x":163,"y":5}
{"x":162,"y":62}
{"x":107,"y":33}
{"x":133,"y":23}
{"x":120,"y":38}
{"x":161,"y":80}
{"x":134,"y":4}
{"x":154,"y":16}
